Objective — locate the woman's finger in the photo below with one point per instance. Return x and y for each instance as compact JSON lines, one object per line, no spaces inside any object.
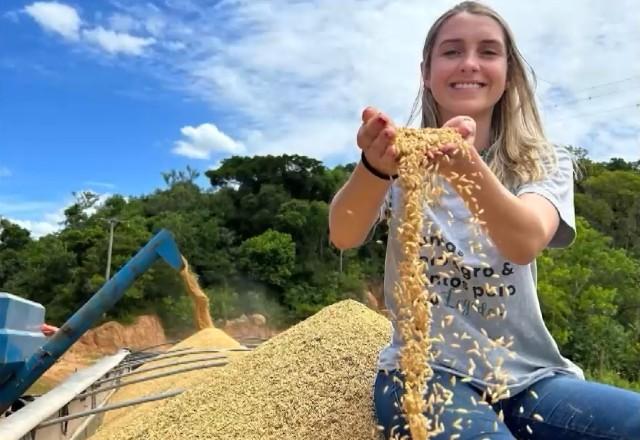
{"x":371,"y":130}
{"x":368,"y":113}
{"x":449,"y":149}
{"x":383,"y":141}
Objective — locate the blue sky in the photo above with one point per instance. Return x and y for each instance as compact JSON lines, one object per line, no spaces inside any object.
{"x":105,"y":95}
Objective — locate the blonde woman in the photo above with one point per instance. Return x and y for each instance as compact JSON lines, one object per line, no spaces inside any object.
{"x":475,"y":80}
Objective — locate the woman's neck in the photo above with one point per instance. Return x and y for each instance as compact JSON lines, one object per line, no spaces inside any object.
{"x":483,"y":132}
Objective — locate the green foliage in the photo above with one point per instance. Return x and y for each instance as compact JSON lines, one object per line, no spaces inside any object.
{"x":609,"y":198}
{"x":176,"y":313}
{"x":612,"y":378}
{"x":224,"y":302}
{"x":268,"y":257}
{"x":589,"y":294}
{"x":258,"y":241}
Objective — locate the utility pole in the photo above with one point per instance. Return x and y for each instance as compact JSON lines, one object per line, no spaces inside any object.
{"x":112,"y":223}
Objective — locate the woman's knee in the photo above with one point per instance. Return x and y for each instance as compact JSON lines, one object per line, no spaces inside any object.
{"x":461,"y":416}
{"x":568,"y":406}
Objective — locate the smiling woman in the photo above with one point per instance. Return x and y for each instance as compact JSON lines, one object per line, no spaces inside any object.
{"x":489,"y":349}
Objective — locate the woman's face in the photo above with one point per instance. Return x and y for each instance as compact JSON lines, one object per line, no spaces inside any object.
{"x":468,"y":70}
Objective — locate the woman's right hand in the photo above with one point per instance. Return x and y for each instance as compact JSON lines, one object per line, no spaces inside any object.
{"x":376,"y":139}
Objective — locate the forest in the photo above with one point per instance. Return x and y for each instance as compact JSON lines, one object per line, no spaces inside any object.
{"x":257,"y":238}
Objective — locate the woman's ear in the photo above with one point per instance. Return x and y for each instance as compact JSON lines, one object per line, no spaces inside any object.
{"x":425,"y":75}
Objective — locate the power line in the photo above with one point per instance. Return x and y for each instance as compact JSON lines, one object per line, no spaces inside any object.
{"x":579,"y":115}
{"x":589,"y":98}
{"x":597,"y":86}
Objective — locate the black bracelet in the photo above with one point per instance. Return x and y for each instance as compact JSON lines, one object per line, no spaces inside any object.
{"x":374,"y":171}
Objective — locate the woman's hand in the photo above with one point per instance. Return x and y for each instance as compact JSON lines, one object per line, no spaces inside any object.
{"x":48,"y":330}
{"x":375,"y":138}
{"x":451,"y":156}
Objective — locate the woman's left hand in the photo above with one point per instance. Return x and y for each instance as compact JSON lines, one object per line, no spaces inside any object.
{"x":450,"y":155}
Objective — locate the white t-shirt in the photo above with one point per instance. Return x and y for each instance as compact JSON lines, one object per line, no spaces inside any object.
{"x":475,"y":291}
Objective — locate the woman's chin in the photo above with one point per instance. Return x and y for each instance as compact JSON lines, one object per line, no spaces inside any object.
{"x":473,"y":109}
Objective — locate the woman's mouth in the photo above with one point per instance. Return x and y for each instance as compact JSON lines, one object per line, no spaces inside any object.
{"x":467,"y":85}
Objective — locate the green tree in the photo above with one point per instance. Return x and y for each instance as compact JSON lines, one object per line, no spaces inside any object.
{"x":590,"y":301}
{"x":13,"y":239}
{"x":268,"y":257}
{"x":610,"y":201}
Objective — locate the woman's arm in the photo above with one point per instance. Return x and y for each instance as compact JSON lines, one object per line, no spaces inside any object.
{"x":520,"y":227}
{"x":355,"y":208}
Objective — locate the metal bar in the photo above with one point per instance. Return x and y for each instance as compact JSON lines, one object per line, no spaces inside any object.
{"x":152,"y":354}
{"x":119,"y":405}
{"x":81,"y":432}
{"x":137,"y":359}
{"x":157,"y":367}
{"x":172,"y":355}
{"x":155,"y":346}
{"x":23,"y":421}
{"x":152,"y":377}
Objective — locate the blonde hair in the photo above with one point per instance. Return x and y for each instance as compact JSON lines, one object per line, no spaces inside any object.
{"x":519,"y":152}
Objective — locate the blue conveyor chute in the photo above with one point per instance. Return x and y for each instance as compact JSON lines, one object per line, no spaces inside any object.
{"x":28,"y":363}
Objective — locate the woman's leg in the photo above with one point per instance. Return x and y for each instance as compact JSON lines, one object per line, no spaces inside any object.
{"x":478,"y":421}
{"x":565,"y":408}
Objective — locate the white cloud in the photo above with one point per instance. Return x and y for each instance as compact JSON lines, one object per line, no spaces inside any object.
{"x":174,"y":46}
{"x":116,"y":42}
{"x":56,"y":17}
{"x":300,"y":73}
{"x":204,"y":140}
{"x":42,"y":218}
{"x":5,"y":172}
{"x":65,"y":20}
{"x":40,"y":228}
{"x":290,"y":76}
{"x":102,"y":198}
{"x":155,"y":25}
{"x":123,"y":23}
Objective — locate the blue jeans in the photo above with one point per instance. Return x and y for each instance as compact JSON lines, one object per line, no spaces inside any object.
{"x":570,"y":409}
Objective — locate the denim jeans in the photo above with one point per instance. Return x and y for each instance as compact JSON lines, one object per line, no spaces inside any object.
{"x":565,"y":408}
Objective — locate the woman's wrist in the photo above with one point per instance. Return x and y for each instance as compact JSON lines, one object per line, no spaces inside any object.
{"x":373,"y":170}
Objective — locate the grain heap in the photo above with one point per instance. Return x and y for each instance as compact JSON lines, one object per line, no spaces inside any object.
{"x":417,"y":180}
{"x":313,"y":381}
{"x":208,"y":338}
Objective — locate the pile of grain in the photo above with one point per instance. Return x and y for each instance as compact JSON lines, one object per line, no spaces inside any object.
{"x":210,"y":338}
{"x":313,"y":381}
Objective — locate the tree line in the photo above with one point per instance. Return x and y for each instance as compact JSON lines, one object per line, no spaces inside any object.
{"x":257,"y":238}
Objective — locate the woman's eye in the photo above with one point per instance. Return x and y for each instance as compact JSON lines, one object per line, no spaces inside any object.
{"x":450,"y":52}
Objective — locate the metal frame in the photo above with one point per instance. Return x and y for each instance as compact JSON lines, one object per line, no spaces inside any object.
{"x":157,"y":367}
{"x":173,"y":354}
{"x":126,"y":403}
{"x":144,"y":379}
{"x":23,"y":421}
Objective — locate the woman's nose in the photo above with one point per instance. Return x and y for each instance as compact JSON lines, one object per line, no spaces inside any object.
{"x":469,"y":64}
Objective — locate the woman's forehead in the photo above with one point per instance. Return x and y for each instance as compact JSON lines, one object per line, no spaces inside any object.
{"x":473,"y":27}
